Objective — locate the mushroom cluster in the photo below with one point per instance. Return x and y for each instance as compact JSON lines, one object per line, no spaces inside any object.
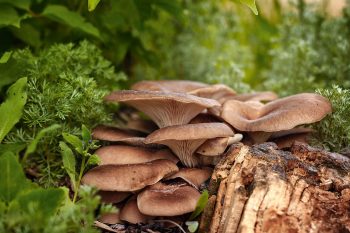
{"x":190,"y":126}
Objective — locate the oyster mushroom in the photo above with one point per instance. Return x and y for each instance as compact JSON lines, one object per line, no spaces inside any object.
{"x":131,"y":213}
{"x":167,"y":200}
{"x":281,"y":114}
{"x":128,"y":178}
{"x":184,"y":140}
{"x":168,"y":85}
{"x":217,"y":146}
{"x":219,"y":92}
{"x":123,"y":154}
{"x":257,"y":96}
{"x":193,"y":176}
{"x":164,"y":108}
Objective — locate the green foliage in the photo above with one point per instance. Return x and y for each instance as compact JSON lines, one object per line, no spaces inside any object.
{"x":192,"y":226}
{"x":202,"y":202}
{"x":66,"y":85}
{"x":251,"y":5}
{"x":313,"y":52}
{"x":82,"y":147}
{"x":333,"y":132}
{"x":13,"y":180}
{"x":92,"y":4}
{"x":5,"y":57}
{"x":11,"y":109}
{"x":25,"y":207}
{"x":204,"y":47}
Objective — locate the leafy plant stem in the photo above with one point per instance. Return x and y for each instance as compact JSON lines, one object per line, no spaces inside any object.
{"x":77,"y":184}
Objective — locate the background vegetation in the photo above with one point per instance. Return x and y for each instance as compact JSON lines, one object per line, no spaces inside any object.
{"x":58,"y":58}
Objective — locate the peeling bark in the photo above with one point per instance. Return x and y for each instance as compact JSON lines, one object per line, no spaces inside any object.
{"x":263,"y":189}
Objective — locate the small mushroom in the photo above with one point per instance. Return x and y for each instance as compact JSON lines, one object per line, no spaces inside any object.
{"x":193,"y":176}
{"x":123,"y":154}
{"x":128,"y":178}
{"x":131,"y":213}
{"x":288,"y":140}
{"x":168,"y":85}
{"x":110,"y":218}
{"x":184,"y":140}
{"x":217,"y":146}
{"x":167,"y":200}
{"x":281,"y":114}
{"x":164,"y":108}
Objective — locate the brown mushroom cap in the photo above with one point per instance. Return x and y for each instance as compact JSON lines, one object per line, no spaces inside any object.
{"x":184,"y":140}
{"x":167,"y":200}
{"x":144,"y":126}
{"x":113,"y":196}
{"x":219,"y":92}
{"x":110,"y":218}
{"x":164,"y":108}
{"x":281,"y":114}
{"x":127,"y":178}
{"x":131,"y":213}
{"x":193,"y":176}
{"x":168,"y":85}
{"x":288,"y":140}
{"x":217,"y":146}
{"x":123,"y":154}
{"x":257,"y":96}
{"x":110,"y":133}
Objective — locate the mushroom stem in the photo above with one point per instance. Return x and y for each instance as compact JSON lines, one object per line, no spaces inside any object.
{"x":185,"y":149}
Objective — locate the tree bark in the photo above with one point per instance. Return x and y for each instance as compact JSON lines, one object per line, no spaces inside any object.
{"x":263,"y":189}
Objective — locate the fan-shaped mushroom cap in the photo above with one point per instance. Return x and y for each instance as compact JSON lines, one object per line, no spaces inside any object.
{"x":217,"y":146}
{"x":127,"y":178}
{"x":184,"y":140}
{"x":257,"y":96}
{"x":281,"y":114}
{"x":110,"y":133}
{"x":164,"y":108}
{"x":204,"y":118}
{"x":219,"y":92}
{"x":167,"y":200}
{"x":131,"y":213}
{"x":113,"y":196}
{"x":124,"y":136}
{"x":193,"y":176}
{"x":168,"y":85}
{"x":122,"y":154}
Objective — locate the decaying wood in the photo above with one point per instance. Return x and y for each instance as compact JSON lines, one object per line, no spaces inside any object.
{"x":263,"y":189}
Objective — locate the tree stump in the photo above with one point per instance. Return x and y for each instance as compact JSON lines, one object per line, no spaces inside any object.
{"x":263,"y":189}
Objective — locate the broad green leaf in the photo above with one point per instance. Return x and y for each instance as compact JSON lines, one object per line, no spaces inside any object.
{"x":69,"y":162}
{"x":94,"y":160}
{"x":45,"y":203}
{"x":9,"y":16}
{"x":62,"y":15}
{"x":11,"y":109}
{"x":12,"y":180}
{"x":192,"y":226}
{"x":202,"y":202}
{"x":22,"y":4}
{"x":74,"y":141}
{"x":5,"y":57}
{"x":85,"y":135}
{"x":13,"y":147}
{"x":92,"y":4}
{"x":251,"y":5}
{"x":28,"y":34}
{"x":33,"y":144}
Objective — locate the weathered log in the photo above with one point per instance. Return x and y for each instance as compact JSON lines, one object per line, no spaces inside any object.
{"x":263,"y":189}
